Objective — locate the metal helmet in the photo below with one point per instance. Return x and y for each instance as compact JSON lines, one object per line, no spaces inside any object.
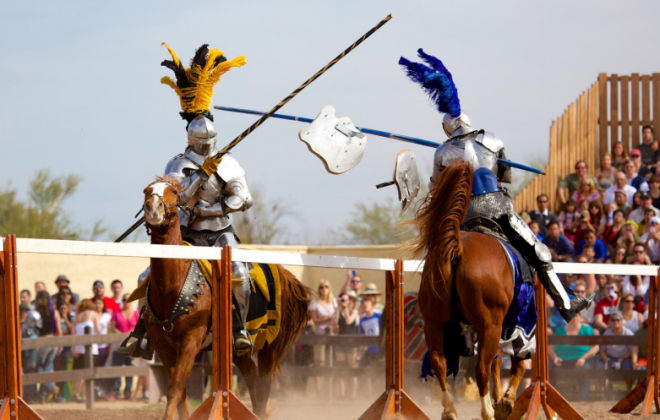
{"x":202,"y":135}
{"x":455,"y":126}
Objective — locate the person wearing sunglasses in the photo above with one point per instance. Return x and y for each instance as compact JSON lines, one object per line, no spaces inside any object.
{"x":616,"y":356}
{"x":353,"y":282}
{"x":632,"y":319}
{"x":323,"y":311}
{"x":542,"y":214}
{"x":572,"y":181}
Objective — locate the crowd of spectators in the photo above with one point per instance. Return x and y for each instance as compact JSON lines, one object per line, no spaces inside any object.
{"x":608,"y":216}
{"x":65,"y":313}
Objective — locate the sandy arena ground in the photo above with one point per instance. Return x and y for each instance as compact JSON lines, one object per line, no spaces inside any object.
{"x":294,"y":410}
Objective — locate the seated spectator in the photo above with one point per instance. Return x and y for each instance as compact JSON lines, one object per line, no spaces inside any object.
{"x":566,"y":219}
{"x":575,"y":357}
{"x":636,"y":285}
{"x":619,"y":155}
{"x":622,"y":203}
{"x":571,"y":182}
{"x":616,"y":356}
{"x":606,"y":306}
{"x":640,"y":168}
{"x":620,"y":184}
{"x":632,"y":319}
{"x":639,"y":360}
{"x":542,"y":215}
{"x":559,"y":243}
{"x":587,"y":315}
{"x":646,"y":222}
{"x":654,"y":192}
{"x":605,"y":174}
{"x":525,"y":216}
{"x":601,"y":292}
{"x":651,"y":239}
{"x":613,"y":229}
{"x":639,"y":255}
{"x":646,"y":202}
{"x":536,"y":230}
{"x":580,"y":227}
{"x":649,"y":148}
{"x":587,"y":190}
{"x":597,"y":217}
{"x":633,"y":178}
{"x":628,"y":238}
{"x":636,"y":202}
{"x":599,"y":247}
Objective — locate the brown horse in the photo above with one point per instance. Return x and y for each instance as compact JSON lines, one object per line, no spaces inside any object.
{"x":178,"y":347}
{"x":466,"y":276}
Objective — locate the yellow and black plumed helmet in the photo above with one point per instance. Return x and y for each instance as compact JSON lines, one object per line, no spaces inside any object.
{"x":194,"y":84}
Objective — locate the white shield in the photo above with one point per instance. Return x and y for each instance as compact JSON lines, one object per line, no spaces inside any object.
{"x":335,"y":141}
{"x":406,"y":178}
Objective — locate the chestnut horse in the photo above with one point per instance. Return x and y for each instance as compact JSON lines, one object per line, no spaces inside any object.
{"x":466,"y":276}
{"x":177,"y":349}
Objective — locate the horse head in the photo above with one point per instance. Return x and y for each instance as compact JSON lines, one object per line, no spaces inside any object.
{"x":161,"y":200}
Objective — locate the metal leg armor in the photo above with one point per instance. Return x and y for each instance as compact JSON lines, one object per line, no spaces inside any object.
{"x":142,"y":347}
{"x":522,"y":237}
{"x":242,"y":291}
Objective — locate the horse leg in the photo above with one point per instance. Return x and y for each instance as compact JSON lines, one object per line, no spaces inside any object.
{"x":489,"y":342}
{"x":497,"y":383}
{"x":434,"y":334}
{"x":267,"y":360}
{"x":248,"y":371}
{"x":176,"y":397}
{"x":504,"y":407}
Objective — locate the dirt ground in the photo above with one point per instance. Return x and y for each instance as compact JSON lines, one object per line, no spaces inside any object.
{"x":301,"y":409}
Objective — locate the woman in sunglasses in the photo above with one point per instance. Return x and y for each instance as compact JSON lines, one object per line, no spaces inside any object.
{"x":587,"y":191}
{"x":323,"y":311}
{"x":632,"y":319}
{"x":65,"y":295}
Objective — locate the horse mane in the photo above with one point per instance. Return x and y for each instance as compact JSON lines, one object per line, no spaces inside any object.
{"x":438,"y":220}
{"x":295,"y":300}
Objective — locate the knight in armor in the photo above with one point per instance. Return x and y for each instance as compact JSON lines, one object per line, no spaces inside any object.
{"x":212,"y":187}
{"x":491,"y":205}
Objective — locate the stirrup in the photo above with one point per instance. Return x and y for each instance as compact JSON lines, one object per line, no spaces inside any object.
{"x":146,"y":353}
{"x":242,"y":341}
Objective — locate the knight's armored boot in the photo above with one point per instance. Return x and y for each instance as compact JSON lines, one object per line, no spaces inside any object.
{"x":567,"y":308}
{"x":242,"y":340}
{"x":142,"y":347}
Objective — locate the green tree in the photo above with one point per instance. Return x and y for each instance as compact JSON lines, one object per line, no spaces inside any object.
{"x":377,"y":224}
{"x":262,"y":223}
{"x":42,"y":215}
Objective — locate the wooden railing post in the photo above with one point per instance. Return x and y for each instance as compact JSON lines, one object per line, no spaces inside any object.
{"x":540,"y":394}
{"x":646,"y":392}
{"x":12,"y":406}
{"x":89,"y":364}
{"x":222,"y":404}
{"x":395,"y":401}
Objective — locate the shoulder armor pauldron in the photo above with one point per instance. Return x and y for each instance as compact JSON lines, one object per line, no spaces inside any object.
{"x":489,"y":141}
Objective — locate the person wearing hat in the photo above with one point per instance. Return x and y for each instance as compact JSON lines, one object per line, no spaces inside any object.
{"x":646,"y":202}
{"x":370,"y":322}
{"x":620,"y":185}
{"x":62,"y":281}
{"x":616,"y":356}
{"x":640,"y":167}
{"x":99,"y":293}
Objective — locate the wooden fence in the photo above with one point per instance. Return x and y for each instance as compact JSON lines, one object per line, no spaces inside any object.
{"x":612,"y":109}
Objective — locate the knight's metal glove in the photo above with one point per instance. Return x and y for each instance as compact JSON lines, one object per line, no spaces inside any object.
{"x":209,"y":167}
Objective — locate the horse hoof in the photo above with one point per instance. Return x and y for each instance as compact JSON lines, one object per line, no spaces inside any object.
{"x":503,"y":409}
{"x":449,"y":416}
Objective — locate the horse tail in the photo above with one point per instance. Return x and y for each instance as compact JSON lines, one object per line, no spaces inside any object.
{"x":294,"y":316}
{"x":438,"y":221}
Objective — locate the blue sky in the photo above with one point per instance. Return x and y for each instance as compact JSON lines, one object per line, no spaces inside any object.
{"x":81,"y":94}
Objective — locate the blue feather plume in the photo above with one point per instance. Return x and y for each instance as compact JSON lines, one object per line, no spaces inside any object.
{"x":436,"y":82}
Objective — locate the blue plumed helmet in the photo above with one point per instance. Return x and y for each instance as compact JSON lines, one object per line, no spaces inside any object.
{"x":436,"y":82}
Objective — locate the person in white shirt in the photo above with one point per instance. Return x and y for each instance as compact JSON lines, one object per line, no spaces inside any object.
{"x":620,"y":183}
{"x":651,"y":239}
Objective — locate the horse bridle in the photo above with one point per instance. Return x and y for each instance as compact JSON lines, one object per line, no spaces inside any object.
{"x":168,"y":209}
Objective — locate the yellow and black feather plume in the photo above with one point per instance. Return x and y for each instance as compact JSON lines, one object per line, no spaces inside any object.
{"x":194,"y":84}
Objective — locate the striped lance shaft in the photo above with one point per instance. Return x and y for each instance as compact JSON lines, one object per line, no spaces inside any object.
{"x":247,"y":132}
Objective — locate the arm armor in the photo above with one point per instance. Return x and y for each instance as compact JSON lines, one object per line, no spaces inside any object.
{"x":239,"y":198}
